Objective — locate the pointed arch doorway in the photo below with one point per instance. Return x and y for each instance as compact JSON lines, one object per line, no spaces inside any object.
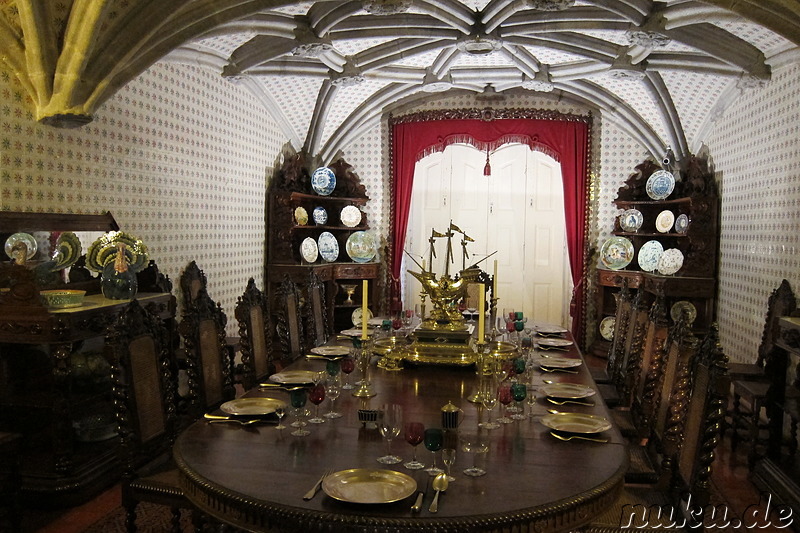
{"x":517,"y":212}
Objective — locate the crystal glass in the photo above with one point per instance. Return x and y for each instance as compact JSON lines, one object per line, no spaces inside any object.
{"x":505,"y":398}
{"x":519,"y":391}
{"x":414,"y":433}
{"x":433,"y":438}
{"x":347,"y":365}
{"x":280,"y":412}
{"x":475,"y":444}
{"x":297,"y":398}
{"x":390,"y":422}
{"x":448,"y":458}
{"x":530,"y":399}
{"x":316,"y":395}
{"x":333,"y":387}
{"x":489,"y":400}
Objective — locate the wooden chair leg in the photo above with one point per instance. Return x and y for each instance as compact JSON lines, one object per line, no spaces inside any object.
{"x":793,"y":438}
{"x":736,"y":417}
{"x":130,"y":518}
{"x":175,"y":520}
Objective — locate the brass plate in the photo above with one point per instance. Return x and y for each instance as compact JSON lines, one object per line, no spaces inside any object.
{"x":330,"y":350}
{"x":251,"y":406}
{"x":568,"y":390}
{"x":365,"y":485}
{"x":389,"y":344}
{"x":548,"y":329}
{"x":355,"y":332}
{"x":294,"y":377}
{"x":576,"y":422}
{"x":558,"y":362}
{"x":558,"y":343}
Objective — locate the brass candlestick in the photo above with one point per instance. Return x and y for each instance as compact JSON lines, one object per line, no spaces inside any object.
{"x":365,"y":389}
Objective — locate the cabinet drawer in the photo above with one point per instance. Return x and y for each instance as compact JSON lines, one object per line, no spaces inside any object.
{"x":613,"y":278}
{"x":356,"y":271}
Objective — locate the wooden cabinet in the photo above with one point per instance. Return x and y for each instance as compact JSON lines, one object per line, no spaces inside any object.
{"x":55,"y":387}
{"x":694,"y":199}
{"x":291,"y":190}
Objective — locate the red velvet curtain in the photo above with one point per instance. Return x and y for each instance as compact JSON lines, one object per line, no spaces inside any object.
{"x":567,"y":141}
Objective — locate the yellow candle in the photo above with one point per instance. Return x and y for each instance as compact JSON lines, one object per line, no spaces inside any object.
{"x":494,"y":280}
{"x":423,"y":265}
{"x":481,"y":313}
{"x":364,"y":289}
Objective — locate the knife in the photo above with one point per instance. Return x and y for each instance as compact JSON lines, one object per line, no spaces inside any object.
{"x":417,"y":507}
{"x":310,"y":494}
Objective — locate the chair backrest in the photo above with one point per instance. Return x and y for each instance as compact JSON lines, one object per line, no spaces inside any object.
{"x":255,"y":335}
{"x":782,"y":302}
{"x":653,"y":351}
{"x":290,"y":320}
{"x":634,"y":346}
{"x":144,"y":385}
{"x":616,"y":351}
{"x":208,"y":359}
{"x":682,"y":346}
{"x":317,"y":311}
{"x":192,"y":281}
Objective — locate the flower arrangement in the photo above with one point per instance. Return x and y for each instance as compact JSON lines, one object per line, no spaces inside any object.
{"x":105,"y":250}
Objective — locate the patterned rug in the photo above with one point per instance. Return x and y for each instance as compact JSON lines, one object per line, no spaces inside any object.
{"x":150,"y":518}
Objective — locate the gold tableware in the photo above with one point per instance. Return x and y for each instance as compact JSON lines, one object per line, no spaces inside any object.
{"x":366,"y":485}
{"x":568,"y":391}
{"x":579,"y":437}
{"x":251,"y":406}
{"x":576,"y":422}
{"x":440,"y":484}
{"x":294,"y":377}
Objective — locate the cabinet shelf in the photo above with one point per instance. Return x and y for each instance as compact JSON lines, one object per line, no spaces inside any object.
{"x":300,"y":196}
{"x":676,"y":202}
{"x":329,"y":228}
{"x":649,"y":235}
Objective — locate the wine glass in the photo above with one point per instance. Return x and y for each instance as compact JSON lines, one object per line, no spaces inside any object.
{"x":297,"y":398}
{"x":397,"y":323}
{"x":505,"y":397}
{"x":333,"y":388}
{"x":347,"y":365}
{"x":408,"y":316}
{"x":489,"y":400}
{"x":519,"y":392}
{"x":433,"y":438}
{"x":280,"y":412}
{"x":316,"y":395}
{"x":448,"y":458}
{"x":332,"y":367}
{"x":389,"y":425}
{"x":414,"y":433}
{"x":479,"y":447}
{"x":530,"y":399}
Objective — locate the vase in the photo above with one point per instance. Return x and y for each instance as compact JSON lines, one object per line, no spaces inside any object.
{"x":117,"y":285}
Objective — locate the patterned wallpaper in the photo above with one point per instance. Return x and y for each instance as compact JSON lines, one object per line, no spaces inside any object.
{"x":179,"y":156}
{"x":756,"y":150}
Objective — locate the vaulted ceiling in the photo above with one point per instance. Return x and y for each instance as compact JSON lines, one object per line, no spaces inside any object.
{"x":328,"y":70}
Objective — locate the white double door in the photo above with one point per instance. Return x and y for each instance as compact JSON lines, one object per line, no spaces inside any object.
{"x":517,"y":212}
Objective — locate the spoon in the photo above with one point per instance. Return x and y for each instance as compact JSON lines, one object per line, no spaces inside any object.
{"x":439,"y":485}
{"x":234,"y":421}
{"x":571,"y":437}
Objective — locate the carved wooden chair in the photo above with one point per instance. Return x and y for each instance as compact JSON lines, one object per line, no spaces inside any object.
{"x":209,"y":363}
{"x":138,"y":349}
{"x":616,"y":354}
{"x":192,"y":281}
{"x":692,"y":431}
{"x":750,"y":384}
{"x":290,"y":321}
{"x":255,"y":335}
{"x":317,"y":309}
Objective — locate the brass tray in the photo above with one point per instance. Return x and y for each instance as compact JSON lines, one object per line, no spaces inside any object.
{"x":298,"y":377}
{"x":366,"y":485}
{"x":251,"y":406}
{"x":576,"y":422}
{"x":568,"y":390}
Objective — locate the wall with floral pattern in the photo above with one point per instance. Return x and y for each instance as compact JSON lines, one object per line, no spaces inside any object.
{"x":179,"y":156}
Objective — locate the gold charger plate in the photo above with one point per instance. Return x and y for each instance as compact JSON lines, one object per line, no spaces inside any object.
{"x":299,"y":377}
{"x":355,"y":332}
{"x":331,"y":350}
{"x":576,"y":422}
{"x":552,"y":341}
{"x":558,"y":362}
{"x":568,"y":390}
{"x":367,"y":485}
{"x":548,"y":329}
{"x":251,"y":406}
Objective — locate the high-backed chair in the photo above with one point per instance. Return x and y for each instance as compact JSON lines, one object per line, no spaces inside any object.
{"x":290,"y":321}
{"x":208,"y":361}
{"x":692,"y":431}
{"x":192,"y":281}
{"x":255,"y":335}
{"x":137,"y":346}
{"x":317,"y":311}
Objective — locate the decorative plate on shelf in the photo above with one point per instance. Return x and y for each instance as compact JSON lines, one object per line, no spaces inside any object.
{"x":361,"y":246}
{"x":355,"y":317}
{"x":309,"y":250}
{"x":670,"y":262}
{"x":350,"y":216}
{"x":683,"y":306}
{"x":617,"y":252}
{"x":660,"y":185}
{"x":328,"y":247}
{"x":682,"y":223}
{"x":631,"y":220}
{"x":664,"y":221}
{"x":300,"y":216}
{"x":649,"y":254}
{"x":320,"y":215}
{"x":25,"y":238}
{"x":607,"y":327}
{"x":323,"y":181}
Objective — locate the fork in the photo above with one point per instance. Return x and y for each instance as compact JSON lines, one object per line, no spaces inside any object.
{"x":310,"y":494}
{"x":248,"y":422}
{"x":575,"y":402}
{"x":546,"y":369}
{"x":579,"y":437}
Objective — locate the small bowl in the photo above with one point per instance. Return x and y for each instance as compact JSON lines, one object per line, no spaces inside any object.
{"x":62,"y":299}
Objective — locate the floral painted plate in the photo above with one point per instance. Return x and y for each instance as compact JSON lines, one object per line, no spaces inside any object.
{"x":664,"y":221}
{"x":683,"y":306}
{"x":616,"y":252}
{"x":361,"y":246}
{"x":649,"y":254}
{"x":670,"y":262}
{"x":350,"y":216}
{"x":323,"y":181}
{"x":301,"y":216}
{"x":631,"y":220}
{"x":328,"y":247}
{"x":607,"y":327}
{"x":309,"y":250}
{"x":660,"y":185}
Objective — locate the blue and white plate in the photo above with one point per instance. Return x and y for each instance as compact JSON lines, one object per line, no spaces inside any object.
{"x":670,"y":262}
{"x":682,"y":223}
{"x":361,"y":246}
{"x":660,"y":185}
{"x":323,"y":181}
{"x":649,"y":254}
{"x":328,"y":247}
{"x":631,"y":220}
{"x":320,"y":215}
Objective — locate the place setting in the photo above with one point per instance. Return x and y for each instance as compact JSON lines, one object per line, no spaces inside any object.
{"x":568,"y":426}
{"x":248,"y":412}
{"x":557,"y":364}
{"x":568,"y":394}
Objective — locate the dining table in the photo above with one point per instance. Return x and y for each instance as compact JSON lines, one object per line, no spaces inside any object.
{"x":254,"y":476}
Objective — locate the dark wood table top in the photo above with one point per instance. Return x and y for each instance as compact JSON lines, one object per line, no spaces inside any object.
{"x":255,"y":477}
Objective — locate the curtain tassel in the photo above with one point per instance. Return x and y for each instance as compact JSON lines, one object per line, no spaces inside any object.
{"x":487,"y":168}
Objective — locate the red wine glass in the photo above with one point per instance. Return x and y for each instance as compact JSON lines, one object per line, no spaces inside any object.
{"x":347,"y":365}
{"x":414,"y":433}
{"x":316,"y":395}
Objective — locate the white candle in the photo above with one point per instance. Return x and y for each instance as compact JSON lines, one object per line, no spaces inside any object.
{"x":364,"y":289}
{"x":481,"y":313}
